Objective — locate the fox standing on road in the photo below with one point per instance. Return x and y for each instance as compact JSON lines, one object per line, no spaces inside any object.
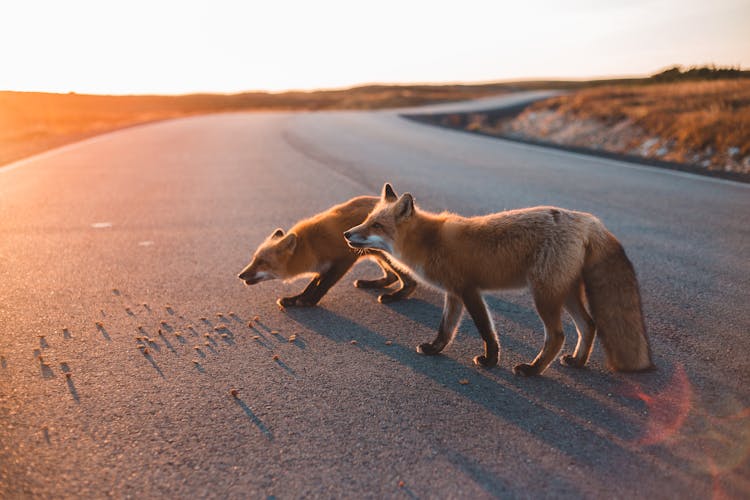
{"x":315,"y":246}
{"x":559,"y":254}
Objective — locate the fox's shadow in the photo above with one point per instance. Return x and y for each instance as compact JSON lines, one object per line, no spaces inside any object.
{"x":505,"y":395}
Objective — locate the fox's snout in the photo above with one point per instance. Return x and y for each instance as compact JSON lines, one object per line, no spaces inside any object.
{"x":250,"y":276}
{"x":360,"y":237}
{"x":352,"y":238}
{"x":254,"y":278}
{"x":246,"y":276}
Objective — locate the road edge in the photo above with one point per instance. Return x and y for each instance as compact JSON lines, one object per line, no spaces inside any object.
{"x":435,"y":120}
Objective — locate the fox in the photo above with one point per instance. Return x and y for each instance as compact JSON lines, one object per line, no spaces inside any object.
{"x":315,"y":246}
{"x":563,"y":256}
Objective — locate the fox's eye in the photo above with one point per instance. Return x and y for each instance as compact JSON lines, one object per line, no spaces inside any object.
{"x":377,"y":225}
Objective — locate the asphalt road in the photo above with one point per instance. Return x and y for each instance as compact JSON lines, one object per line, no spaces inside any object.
{"x":152,"y":224}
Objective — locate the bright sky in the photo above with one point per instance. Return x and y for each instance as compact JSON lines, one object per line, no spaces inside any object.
{"x":160,"y":46}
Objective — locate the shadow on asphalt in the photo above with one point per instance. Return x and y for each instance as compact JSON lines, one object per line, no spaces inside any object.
{"x":254,"y":419}
{"x":73,"y":390}
{"x":46,"y":371}
{"x":168,"y":344}
{"x":563,"y":417}
{"x":286,"y":368}
{"x":496,"y":486}
{"x":153,"y":364}
{"x":104,"y":332}
{"x":65,"y":368}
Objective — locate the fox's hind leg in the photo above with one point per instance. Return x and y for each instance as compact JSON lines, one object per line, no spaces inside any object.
{"x":295,"y":300}
{"x":584,"y":326}
{"x":318,"y":287}
{"x":448,"y":323}
{"x":550,"y":310}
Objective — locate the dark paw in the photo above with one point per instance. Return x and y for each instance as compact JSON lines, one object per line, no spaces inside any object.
{"x":525,"y":369}
{"x":485,"y":362}
{"x":387,"y":298}
{"x":401,"y":294}
{"x":294,"y":302}
{"x":286,"y":302}
{"x":428,"y":349}
{"x":571,"y":361}
{"x":362,"y":284}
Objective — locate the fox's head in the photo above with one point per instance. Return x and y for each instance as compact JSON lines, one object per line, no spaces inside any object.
{"x":270,"y":259}
{"x":381,"y":228}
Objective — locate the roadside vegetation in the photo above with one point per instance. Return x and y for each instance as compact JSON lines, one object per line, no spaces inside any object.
{"x":698,"y":117}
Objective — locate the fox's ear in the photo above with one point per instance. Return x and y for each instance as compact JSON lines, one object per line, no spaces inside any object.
{"x":388,"y":193}
{"x":278,"y":233}
{"x":288,"y":243}
{"x":405,"y":206}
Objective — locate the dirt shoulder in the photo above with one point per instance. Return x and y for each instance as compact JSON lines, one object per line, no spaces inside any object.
{"x":702,"y":125}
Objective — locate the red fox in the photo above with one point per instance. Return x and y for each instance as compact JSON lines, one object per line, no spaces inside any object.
{"x":315,"y":246}
{"x":559,"y":254}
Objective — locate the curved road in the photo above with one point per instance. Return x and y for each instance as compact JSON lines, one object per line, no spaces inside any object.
{"x":152,"y":224}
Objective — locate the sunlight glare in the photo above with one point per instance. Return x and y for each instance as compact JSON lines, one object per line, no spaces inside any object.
{"x":231,"y":46}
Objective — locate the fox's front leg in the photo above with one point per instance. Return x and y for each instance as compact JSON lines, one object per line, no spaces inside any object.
{"x":408,"y":285}
{"x":448,"y":323}
{"x":300,"y":299}
{"x":478,"y":311}
{"x":383,"y":282}
{"x":317,"y":287}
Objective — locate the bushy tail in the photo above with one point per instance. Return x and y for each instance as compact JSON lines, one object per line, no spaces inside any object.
{"x":615,"y":303}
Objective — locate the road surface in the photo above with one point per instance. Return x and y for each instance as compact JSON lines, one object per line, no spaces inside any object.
{"x":149,"y":226}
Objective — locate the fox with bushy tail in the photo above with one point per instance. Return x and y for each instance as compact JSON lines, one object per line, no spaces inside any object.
{"x":566,"y":258}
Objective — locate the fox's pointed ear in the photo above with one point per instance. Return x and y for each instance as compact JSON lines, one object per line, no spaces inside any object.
{"x":288,"y":243}
{"x":388,"y":194}
{"x":405,"y":206}
{"x":278,"y":233}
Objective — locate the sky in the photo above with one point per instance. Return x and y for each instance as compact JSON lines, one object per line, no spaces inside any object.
{"x":166,"y":47}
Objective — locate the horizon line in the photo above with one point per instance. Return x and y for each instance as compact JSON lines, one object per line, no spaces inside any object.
{"x":352,"y":86}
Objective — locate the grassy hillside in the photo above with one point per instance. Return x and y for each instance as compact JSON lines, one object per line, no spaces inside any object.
{"x":704,"y":123}
{"x":697,"y":117}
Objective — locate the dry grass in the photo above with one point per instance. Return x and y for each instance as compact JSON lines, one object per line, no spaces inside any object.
{"x":694,"y":116}
{"x":34,"y":122}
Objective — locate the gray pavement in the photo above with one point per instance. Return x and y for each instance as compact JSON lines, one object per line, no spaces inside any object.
{"x":152,"y":224}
